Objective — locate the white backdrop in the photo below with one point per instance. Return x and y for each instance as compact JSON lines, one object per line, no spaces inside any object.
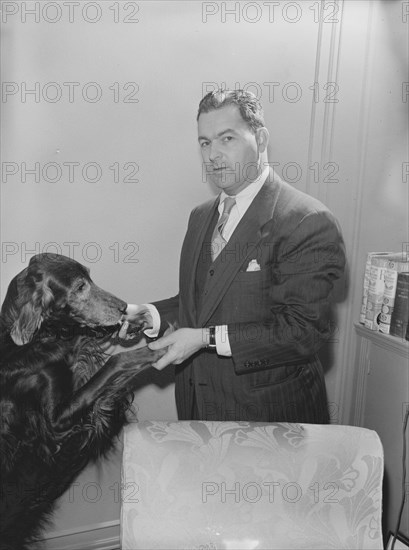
{"x":100,"y":158}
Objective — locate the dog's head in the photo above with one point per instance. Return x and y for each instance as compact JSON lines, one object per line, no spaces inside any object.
{"x":56,"y":288}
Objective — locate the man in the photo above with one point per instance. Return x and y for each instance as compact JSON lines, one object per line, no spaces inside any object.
{"x":256,"y":283}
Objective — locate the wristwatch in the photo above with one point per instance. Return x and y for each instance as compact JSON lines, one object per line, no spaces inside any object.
{"x":212,"y":338}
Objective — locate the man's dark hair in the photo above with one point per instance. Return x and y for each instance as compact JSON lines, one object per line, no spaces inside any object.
{"x":248,"y":104}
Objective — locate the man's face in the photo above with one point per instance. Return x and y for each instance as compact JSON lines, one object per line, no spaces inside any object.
{"x":230,"y":150}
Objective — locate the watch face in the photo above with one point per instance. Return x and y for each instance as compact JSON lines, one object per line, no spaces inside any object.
{"x":212,"y":337}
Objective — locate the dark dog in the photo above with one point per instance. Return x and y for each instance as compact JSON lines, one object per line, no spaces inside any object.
{"x":63,"y":399}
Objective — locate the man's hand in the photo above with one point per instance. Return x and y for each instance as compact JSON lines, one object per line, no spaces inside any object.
{"x":181,"y":344}
{"x":136,"y":320}
{"x":138,"y":316}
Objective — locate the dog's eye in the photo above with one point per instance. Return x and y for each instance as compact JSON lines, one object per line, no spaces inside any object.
{"x":81,"y":287}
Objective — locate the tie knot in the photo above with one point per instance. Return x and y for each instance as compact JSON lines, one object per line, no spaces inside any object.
{"x":228,"y":204}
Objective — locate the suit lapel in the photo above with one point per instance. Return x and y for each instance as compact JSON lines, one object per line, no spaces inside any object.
{"x":191,"y":251}
{"x":240,"y":248}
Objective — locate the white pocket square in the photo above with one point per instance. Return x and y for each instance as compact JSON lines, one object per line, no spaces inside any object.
{"x":253,"y":266}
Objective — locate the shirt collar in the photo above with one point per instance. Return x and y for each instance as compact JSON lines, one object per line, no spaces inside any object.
{"x":244,"y":198}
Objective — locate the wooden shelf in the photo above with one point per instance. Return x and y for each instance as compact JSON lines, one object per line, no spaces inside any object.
{"x":393,"y":343}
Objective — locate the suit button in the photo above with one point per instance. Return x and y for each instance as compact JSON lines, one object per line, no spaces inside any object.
{"x":211,"y":272}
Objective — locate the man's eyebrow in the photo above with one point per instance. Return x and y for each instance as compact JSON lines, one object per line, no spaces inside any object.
{"x":220,"y":134}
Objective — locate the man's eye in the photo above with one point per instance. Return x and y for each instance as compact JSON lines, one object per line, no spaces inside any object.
{"x":227,"y":138}
{"x":204,"y":144}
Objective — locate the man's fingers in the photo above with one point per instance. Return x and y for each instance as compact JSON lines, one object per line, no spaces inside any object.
{"x":164,"y":361}
{"x":139,"y":315}
{"x":159,"y":365}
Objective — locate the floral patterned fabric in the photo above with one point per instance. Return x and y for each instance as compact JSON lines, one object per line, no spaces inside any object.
{"x":244,"y":485}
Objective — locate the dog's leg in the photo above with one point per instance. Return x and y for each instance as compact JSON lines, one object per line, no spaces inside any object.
{"x":123,"y":367}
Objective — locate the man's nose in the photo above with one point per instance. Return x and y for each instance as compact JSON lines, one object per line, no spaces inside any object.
{"x":214,"y":152}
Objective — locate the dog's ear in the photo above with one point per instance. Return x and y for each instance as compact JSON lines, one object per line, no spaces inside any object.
{"x":32,"y":299}
{"x":27,"y":323}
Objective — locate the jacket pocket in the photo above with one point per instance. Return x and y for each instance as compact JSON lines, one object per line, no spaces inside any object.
{"x":278,"y":375}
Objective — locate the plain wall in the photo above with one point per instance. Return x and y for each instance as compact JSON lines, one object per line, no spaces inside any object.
{"x":130,"y":233}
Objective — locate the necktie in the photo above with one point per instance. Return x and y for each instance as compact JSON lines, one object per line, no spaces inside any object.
{"x":218,"y":242}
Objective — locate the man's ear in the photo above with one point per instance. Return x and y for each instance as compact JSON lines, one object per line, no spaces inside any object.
{"x":262,"y":138}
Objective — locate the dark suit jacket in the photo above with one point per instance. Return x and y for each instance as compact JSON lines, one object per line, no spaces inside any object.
{"x":277,"y":317}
